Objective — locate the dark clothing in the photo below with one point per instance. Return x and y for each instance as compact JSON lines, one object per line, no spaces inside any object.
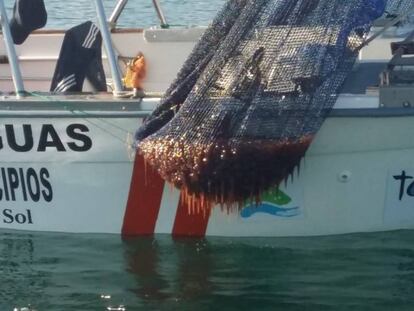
{"x":80,"y":57}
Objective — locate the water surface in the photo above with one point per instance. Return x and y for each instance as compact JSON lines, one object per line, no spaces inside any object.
{"x":80,"y":272}
{"x":138,"y":13}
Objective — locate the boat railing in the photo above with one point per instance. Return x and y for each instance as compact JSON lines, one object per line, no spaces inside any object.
{"x":397,"y":86}
{"x":104,"y":26}
{"x":120,"y":6}
{"x":387,"y":24}
{"x":106,"y":38}
{"x":110,"y":52}
{"x":160,"y":14}
{"x":11,"y":51}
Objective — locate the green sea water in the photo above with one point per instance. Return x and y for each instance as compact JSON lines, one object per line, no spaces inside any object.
{"x":102,"y":272}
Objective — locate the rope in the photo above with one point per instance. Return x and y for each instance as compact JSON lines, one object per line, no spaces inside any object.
{"x":86,"y":116}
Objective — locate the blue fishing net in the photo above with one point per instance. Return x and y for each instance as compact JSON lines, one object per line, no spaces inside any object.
{"x":253,"y":94}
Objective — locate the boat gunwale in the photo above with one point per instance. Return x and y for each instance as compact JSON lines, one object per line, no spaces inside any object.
{"x":131,"y":109}
{"x":55,"y":31}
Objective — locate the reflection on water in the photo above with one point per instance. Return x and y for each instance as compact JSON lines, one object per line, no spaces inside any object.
{"x":138,"y":13}
{"x":83,"y":272}
{"x":97,"y":272}
{"x":179,"y":277}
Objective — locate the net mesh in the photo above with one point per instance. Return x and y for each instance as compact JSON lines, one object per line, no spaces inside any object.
{"x":397,"y":7}
{"x":252,"y":95}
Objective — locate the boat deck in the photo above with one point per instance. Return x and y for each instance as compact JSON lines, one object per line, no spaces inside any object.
{"x":364,"y":78}
{"x":97,"y":104}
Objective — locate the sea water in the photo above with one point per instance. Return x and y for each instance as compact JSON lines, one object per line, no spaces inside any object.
{"x":138,"y":13}
{"x":68,"y":272}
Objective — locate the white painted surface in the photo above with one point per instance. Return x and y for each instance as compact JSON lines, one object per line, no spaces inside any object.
{"x":364,"y":149}
{"x":399,"y":205}
{"x":168,"y":210}
{"x":345,"y":184}
{"x":90,"y":188}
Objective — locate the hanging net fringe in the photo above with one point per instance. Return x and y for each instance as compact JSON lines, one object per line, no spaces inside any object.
{"x":252,"y":95}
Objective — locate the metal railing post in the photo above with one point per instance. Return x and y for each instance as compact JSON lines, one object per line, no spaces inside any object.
{"x":388,"y":25}
{"x":106,"y":37}
{"x":11,"y":51}
{"x":120,"y":6}
{"x":160,"y":14}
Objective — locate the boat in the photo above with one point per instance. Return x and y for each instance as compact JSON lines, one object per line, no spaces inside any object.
{"x":68,"y":164}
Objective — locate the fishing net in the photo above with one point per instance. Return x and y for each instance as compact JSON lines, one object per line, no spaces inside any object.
{"x":252,"y":95}
{"x":397,"y":7}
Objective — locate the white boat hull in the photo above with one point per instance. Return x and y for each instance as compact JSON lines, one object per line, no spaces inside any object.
{"x":84,"y":180}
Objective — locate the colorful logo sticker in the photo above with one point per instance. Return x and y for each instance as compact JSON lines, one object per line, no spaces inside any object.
{"x":274,"y":202}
